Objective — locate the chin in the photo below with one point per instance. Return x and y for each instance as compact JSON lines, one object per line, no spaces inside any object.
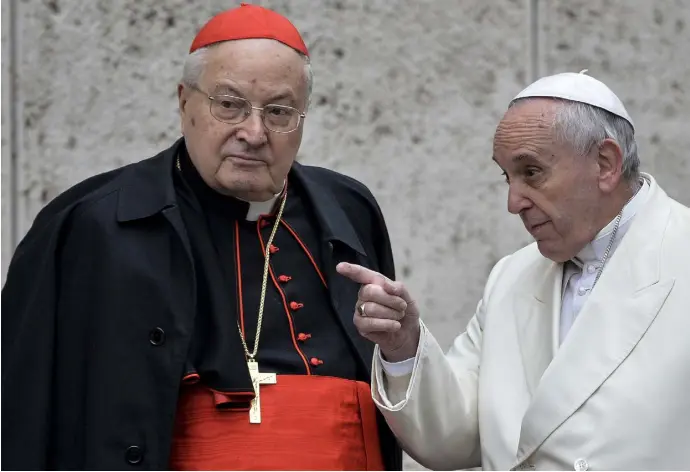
{"x":247,"y":189}
{"x":553,"y":253}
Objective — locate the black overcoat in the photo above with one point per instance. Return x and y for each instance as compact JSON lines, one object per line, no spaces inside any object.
{"x":98,"y":310}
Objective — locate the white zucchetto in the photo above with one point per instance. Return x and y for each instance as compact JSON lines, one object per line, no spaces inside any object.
{"x":578,"y":88}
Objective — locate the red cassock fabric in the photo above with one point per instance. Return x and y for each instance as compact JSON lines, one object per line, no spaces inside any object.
{"x":308,"y":423}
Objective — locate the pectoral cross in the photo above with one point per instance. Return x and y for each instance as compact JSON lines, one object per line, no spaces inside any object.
{"x":258,"y":379}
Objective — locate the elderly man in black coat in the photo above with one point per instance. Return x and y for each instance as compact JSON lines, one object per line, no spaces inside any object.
{"x":184,"y":311}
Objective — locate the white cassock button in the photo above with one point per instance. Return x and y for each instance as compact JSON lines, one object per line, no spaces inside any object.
{"x":581,"y":465}
{"x":591,"y":269}
{"x":581,"y":291}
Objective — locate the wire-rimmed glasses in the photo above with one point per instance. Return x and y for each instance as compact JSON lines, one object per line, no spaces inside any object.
{"x":233,"y":110}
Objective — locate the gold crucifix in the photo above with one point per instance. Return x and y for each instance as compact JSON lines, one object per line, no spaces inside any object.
{"x":258,"y":379}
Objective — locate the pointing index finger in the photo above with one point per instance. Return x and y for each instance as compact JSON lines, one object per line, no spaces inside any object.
{"x":360,"y":274}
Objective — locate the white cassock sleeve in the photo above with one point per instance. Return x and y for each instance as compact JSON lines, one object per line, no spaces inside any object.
{"x":432,"y":406}
{"x":397,"y":369}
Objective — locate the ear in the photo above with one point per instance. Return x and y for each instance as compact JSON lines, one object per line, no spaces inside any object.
{"x":182,"y":104}
{"x":181,"y":97}
{"x":610,"y":160}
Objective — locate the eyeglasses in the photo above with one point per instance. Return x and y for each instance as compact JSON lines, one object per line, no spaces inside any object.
{"x":233,"y":110}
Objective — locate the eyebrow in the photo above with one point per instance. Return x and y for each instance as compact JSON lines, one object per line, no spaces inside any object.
{"x":282,"y":95}
{"x":518,"y":158}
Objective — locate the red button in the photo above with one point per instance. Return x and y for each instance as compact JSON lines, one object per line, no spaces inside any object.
{"x":264,"y":223}
{"x":314,"y":361}
{"x":273,"y":249}
{"x":284,"y":278}
{"x":303,"y":336}
{"x":296,"y":305}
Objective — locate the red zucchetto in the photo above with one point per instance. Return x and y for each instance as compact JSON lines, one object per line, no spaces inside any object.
{"x":247,"y":22}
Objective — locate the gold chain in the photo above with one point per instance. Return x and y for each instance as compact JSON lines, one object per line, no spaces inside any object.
{"x":264,"y":281}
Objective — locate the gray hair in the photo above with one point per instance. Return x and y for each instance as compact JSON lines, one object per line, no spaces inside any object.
{"x":195,"y":62}
{"x":581,"y":126}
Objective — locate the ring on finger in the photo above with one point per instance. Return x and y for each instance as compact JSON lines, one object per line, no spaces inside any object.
{"x":362,"y":311}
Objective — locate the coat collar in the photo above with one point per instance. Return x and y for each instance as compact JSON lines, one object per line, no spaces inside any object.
{"x":148,"y":189}
{"x":147,"y":186}
{"x":335,"y":224}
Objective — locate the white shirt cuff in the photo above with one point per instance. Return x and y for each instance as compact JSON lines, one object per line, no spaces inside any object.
{"x":397,"y":369}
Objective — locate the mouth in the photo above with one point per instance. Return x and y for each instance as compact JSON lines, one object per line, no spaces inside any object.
{"x":246,"y":159}
{"x":537,"y":226}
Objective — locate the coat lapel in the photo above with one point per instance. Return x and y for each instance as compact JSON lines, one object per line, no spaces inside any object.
{"x":534,"y":315}
{"x":612,"y":322}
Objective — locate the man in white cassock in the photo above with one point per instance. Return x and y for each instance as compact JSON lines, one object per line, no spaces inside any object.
{"x":578,"y":356}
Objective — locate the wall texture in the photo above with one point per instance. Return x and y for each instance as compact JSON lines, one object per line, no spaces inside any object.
{"x":407,"y":95}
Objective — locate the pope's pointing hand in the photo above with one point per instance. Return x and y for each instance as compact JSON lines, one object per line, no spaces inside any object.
{"x":385,"y":313}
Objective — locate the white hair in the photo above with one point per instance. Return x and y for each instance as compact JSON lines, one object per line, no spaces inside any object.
{"x":195,"y":62}
{"x":581,"y":126}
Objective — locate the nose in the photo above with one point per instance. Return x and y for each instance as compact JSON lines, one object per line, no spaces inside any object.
{"x":517,"y":201}
{"x":252,"y":129}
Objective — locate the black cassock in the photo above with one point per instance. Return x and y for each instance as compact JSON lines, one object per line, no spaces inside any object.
{"x":134,"y":279}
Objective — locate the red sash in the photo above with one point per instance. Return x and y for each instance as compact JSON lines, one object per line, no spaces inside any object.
{"x":308,"y":423}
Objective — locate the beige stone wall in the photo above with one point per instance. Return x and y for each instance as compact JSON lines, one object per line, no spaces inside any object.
{"x":406,"y":98}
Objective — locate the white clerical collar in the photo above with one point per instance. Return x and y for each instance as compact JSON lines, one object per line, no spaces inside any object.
{"x":594,"y":251}
{"x":256,"y":209}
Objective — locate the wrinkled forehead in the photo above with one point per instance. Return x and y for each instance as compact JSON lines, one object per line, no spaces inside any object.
{"x":526,"y":130}
{"x":526,"y":120}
